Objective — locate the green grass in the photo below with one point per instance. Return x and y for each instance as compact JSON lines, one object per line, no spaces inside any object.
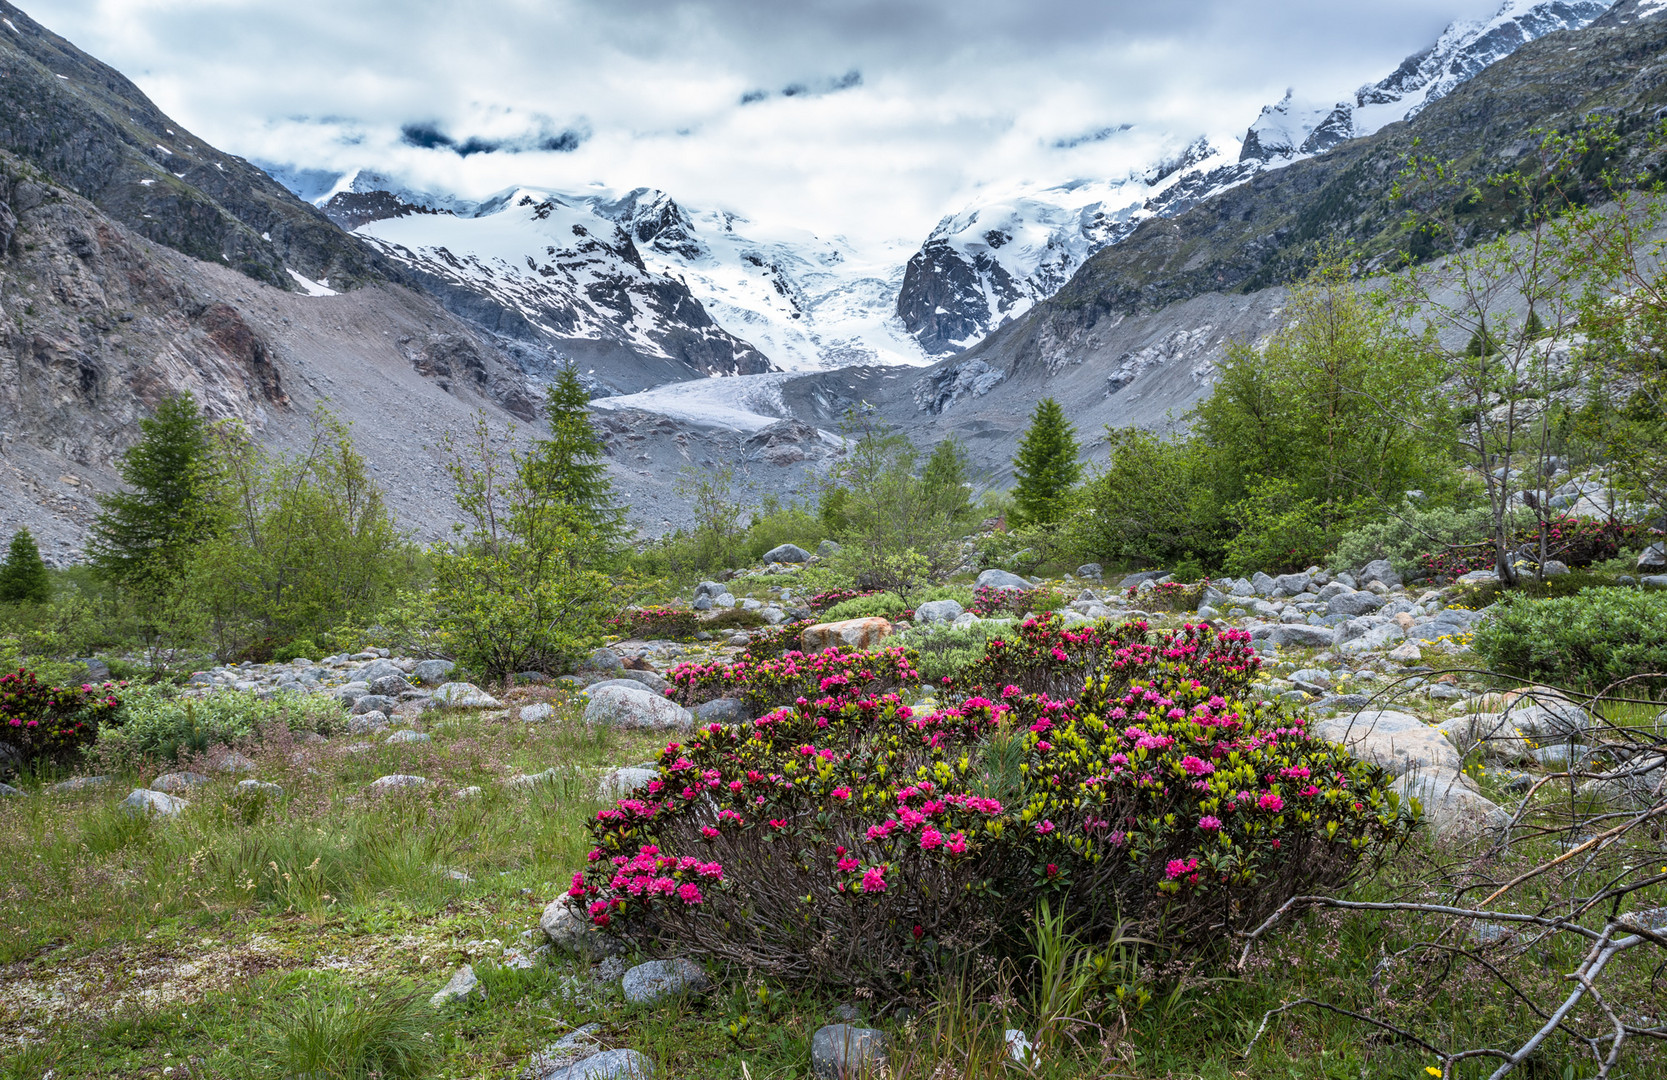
{"x":302,"y":936}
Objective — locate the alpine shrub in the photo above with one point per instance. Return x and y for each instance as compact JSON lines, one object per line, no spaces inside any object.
{"x":763,"y":684}
{"x":656,"y":622}
{"x":1585,"y":642}
{"x":41,"y":722}
{"x":851,"y":840}
{"x":992,"y":603}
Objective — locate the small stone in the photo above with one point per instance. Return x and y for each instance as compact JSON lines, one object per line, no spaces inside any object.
{"x":1091,"y":570}
{"x":397,"y":780}
{"x":462,"y":695}
{"x":537,"y":714}
{"x":1407,"y":652}
{"x":468,"y":792}
{"x":407,"y":736}
{"x":260,"y":788}
{"x":463,"y":983}
{"x":622,"y":783}
{"x":391,"y":686}
{"x":433,"y":672}
{"x":142,"y":802}
{"x":608,"y":1065}
{"x":9,"y":792}
{"x":233,"y":762}
{"x":368,"y":703}
{"x":659,"y":979}
{"x":178,"y":781}
{"x":604,"y":660}
{"x":721,"y":711}
{"x":787,"y":553}
{"x":368,"y":723}
{"x":843,"y":1052}
{"x":79,"y":783}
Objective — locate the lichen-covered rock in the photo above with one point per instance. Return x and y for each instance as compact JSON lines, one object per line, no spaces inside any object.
{"x":850,"y":633}
{"x":663,"y":978}
{"x":1002,"y":580}
{"x":1396,"y":741}
{"x":1452,"y":810}
{"x":462,"y":983}
{"x":843,"y":1052}
{"x":462,"y":695}
{"x":634,"y":706}
{"x":938,"y":611}
{"x":143,"y":802}
{"x":433,"y":672}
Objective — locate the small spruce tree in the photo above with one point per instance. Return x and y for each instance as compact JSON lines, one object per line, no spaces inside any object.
{"x":23,"y":576}
{"x":1046,"y":466}
{"x":943,"y":482}
{"x":568,"y":468}
{"x":145,"y":533}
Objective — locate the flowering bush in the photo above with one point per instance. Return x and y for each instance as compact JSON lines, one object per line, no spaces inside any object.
{"x":45,"y":722}
{"x":842,"y":675}
{"x":1170,"y":595}
{"x":655,"y":622}
{"x":1577,"y":541}
{"x":848,"y":839}
{"x":822,"y":601}
{"x":1047,"y":656}
{"x":992,"y":603}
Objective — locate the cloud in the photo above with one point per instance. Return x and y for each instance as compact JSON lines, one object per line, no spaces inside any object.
{"x":870,"y":118}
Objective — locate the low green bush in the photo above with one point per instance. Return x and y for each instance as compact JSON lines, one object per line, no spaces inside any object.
{"x":1584,"y":642}
{"x":946,"y":651}
{"x":162,"y":723}
{"x":736,"y":618}
{"x":884,"y":605}
{"x":1408,"y":533}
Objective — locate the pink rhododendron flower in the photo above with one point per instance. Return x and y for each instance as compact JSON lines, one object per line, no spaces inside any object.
{"x":874,"y":880}
{"x":1271,"y":802}
{"x":1209,"y":823}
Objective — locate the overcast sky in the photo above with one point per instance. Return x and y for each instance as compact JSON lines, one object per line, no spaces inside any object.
{"x":869,"y":118}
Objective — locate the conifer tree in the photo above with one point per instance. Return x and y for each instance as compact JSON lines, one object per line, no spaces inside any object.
{"x":1046,"y":466}
{"x":146,"y":532}
{"x":568,"y":469}
{"x":943,"y":482}
{"x":23,"y":576}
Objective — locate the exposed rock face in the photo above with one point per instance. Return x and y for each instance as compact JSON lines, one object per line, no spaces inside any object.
{"x":93,"y":131}
{"x":851,"y":634}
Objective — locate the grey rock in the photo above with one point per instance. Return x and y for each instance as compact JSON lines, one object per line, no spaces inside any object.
{"x":233,"y":762}
{"x":604,"y":660}
{"x":1379,"y":570}
{"x":724,"y":600}
{"x":1093,"y":571}
{"x":462,"y":983}
{"x":1453,"y":811}
{"x":391,"y":686}
{"x":370,"y":703}
{"x":1002,"y":580}
{"x":827,"y":547}
{"x":1397,"y":742}
{"x":407,"y":736}
{"x":1301,"y":634}
{"x":567,"y":928}
{"x":620,"y":783}
{"x":537,"y":714}
{"x":368,"y":723}
{"x":397,"y":780}
{"x":1335,"y":588}
{"x":749,"y":604}
{"x":260,"y":788}
{"x":1292,"y":584}
{"x":1654,"y":581}
{"x":1553,"y":568}
{"x":607,"y":1065}
{"x":721,"y":711}
{"x":1244,"y":588}
{"x":1479,"y":577}
{"x":1140,"y":578}
{"x":1343,"y":701}
{"x":9,"y":792}
{"x":79,"y":783}
{"x":1352,"y":603}
{"x":653,"y":680}
{"x":659,"y":979}
{"x":142,"y":802}
{"x":773,"y":615}
{"x":634,"y":707}
{"x":1545,"y":716}
{"x":701,"y":603}
{"x":843,"y":1052}
{"x":938,"y":611}
{"x":348,"y":693}
{"x":462,"y":695}
{"x":787,"y":553}
{"x":1653,"y":558}
{"x":709,"y":588}
{"x":1313,"y":676}
{"x":178,"y":781}
{"x":433,"y":672}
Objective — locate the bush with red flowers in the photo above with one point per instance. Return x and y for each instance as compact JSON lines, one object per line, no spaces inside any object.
{"x":847,"y":839}
{"x":844,"y":674}
{"x":656,"y":622}
{"x":48,"y":723}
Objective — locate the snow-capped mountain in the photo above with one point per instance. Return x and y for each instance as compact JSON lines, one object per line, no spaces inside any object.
{"x":543,"y":269}
{"x":641,"y":270}
{"x":994,"y":259}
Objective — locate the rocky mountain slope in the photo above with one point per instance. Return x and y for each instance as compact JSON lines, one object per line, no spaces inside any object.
{"x":89,"y":129}
{"x":98,"y":323}
{"x":990,"y":262}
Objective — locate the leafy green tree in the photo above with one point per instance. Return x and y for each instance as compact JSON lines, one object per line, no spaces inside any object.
{"x":945,"y":480}
{"x":144,"y":534}
{"x":894,"y":532}
{"x":306,"y":543}
{"x":1046,"y":466}
{"x":1152,"y":505}
{"x":23,"y":576}
{"x":717,"y":527}
{"x":570,"y":466}
{"x":522,"y":586}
